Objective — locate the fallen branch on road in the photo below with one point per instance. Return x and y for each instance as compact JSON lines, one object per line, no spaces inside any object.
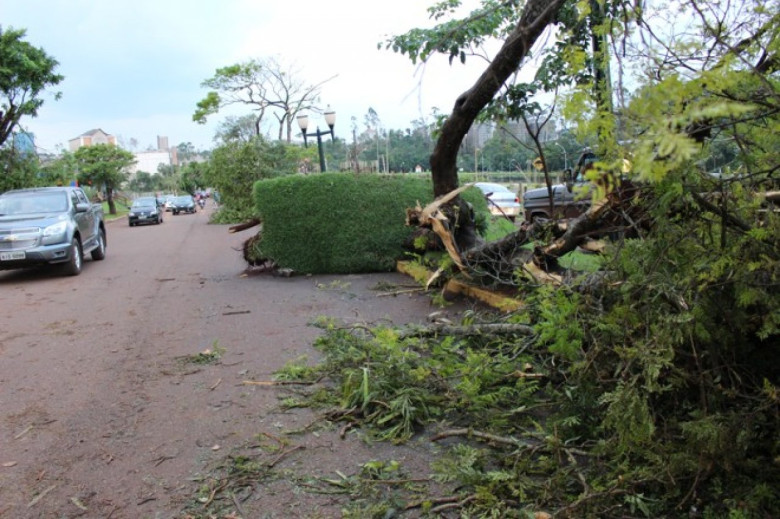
{"x":244,"y":226}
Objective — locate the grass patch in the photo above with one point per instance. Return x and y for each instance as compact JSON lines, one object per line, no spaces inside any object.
{"x":582,"y":261}
{"x":121,"y":210}
{"x":498,"y":227}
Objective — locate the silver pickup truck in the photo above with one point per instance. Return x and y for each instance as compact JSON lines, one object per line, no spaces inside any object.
{"x":50,"y":226}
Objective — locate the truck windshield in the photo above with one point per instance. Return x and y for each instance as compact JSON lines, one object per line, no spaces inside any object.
{"x":33,"y":203}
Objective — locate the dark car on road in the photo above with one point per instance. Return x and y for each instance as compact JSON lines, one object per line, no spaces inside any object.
{"x":145,"y":210}
{"x":183,"y":204}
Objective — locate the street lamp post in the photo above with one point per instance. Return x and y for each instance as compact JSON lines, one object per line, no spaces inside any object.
{"x":303,"y":123}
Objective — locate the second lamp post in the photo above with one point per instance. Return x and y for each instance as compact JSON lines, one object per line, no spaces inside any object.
{"x":303,"y":123}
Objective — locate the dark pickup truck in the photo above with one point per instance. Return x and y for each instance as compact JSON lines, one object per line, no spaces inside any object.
{"x":50,"y":225}
{"x":569,"y":199}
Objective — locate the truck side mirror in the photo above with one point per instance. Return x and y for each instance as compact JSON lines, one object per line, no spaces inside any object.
{"x":568,"y":179}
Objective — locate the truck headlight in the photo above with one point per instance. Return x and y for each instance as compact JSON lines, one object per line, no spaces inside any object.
{"x":55,"y":233}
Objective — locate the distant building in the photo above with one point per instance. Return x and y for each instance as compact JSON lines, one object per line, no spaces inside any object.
{"x":479,"y":134}
{"x":24,"y":143}
{"x":518,"y":129}
{"x":91,"y":138}
{"x":149,"y":161}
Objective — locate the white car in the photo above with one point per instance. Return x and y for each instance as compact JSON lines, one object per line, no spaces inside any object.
{"x":501,"y":201}
{"x":168,"y":202}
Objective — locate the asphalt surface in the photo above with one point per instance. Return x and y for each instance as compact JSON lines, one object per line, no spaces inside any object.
{"x":103,"y":415}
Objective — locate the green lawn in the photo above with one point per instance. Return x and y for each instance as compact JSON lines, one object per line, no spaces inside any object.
{"x":121,"y":211}
{"x":576,"y":260}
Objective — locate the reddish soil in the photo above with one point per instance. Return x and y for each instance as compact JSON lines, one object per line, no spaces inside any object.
{"x":104,"y":414}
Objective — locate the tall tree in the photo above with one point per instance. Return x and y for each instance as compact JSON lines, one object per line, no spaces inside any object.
{"x":293,"y":94}
{"x":104,"y":165}
{"x":264,"y":86}
{"x":185,"y":152}
{"x":454,"y":39}
{"x":235,"y":128}
{"x":25,"y":73}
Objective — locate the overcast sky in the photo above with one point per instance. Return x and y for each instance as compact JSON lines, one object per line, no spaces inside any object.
{"x":134,"y":67}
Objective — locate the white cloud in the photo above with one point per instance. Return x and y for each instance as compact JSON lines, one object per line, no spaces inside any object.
{"x":133,"y":68}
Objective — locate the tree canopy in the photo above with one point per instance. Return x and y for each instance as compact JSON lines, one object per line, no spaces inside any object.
{"x":26,"y":72}
{"x":103,"y":166}
{"x":265,"y":86}
{"x":236,"y":165}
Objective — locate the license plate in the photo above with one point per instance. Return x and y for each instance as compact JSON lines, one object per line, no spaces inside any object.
{"x":141,"y":217}
{"x":10,"y":256}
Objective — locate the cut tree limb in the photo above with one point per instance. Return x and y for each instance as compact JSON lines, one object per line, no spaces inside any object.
{"x":244,"y":226}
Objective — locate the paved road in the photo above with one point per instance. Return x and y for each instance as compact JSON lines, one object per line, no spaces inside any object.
{"x":101,"y":415}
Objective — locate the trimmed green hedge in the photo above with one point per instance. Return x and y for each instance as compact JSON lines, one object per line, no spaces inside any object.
{"x":340,"y":223}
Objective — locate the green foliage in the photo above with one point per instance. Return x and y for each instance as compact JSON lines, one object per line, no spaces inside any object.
{"x":208,"y":356}
{"x":455,"y":38}
{"x":338,"y":222}
{"x":651,"y":389}
{"x":103,"y":165}
{"x":61,"y":171}
{"x":235,"y":166}
{"x":144,"y":182}
{"x":497,"y":227}
{"x":236,"y":83}
{"x":192,"y":176}
{"x":393,"y":385}
{"x":25,"y":74}
{"x":557,"y":321}
{"x":18,"y":170}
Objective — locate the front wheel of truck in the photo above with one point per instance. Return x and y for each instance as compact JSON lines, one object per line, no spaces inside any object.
{"x":73,"y":266}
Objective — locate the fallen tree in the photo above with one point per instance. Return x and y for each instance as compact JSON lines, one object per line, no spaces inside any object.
{"x":619,"y":213}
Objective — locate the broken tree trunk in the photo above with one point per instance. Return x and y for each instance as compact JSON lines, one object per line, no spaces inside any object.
{"x":500,"y":260}
{"x":537,"y":15}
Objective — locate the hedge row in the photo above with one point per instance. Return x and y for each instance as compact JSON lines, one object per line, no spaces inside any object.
{"x":340,"y":222}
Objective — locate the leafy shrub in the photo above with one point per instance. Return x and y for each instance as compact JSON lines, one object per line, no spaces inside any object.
{"x":236,"y":165}
{"x":339,"y":222}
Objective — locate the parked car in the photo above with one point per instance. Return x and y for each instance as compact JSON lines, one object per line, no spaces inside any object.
{"x":570,"y":199}
{"x":51,"y":225}
{"x":183,"y":204}
{"x":168,"y":202}
{"x":145,"y":210}
{"x":501,"y":200}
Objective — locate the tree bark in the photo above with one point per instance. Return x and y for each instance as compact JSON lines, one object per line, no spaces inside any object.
{"x":536,"y":16}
